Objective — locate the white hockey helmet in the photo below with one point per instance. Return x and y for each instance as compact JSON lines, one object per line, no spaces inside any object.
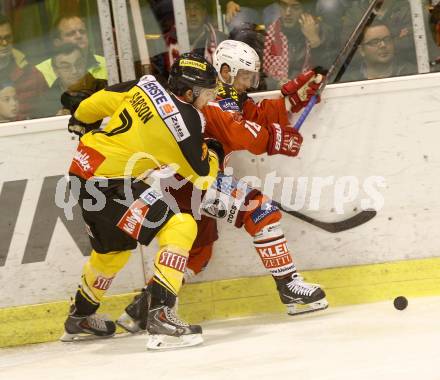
{"x":238,"y":56}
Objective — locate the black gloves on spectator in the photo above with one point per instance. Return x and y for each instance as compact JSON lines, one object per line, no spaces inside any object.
{"x":217,"y":148}
{"x":79,"y":128}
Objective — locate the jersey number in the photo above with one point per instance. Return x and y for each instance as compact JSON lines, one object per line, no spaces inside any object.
{"x":252,"y":127}
{"x":127,"y":122}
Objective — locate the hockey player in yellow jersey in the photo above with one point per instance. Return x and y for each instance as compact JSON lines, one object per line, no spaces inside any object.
{"x":149,"y":127}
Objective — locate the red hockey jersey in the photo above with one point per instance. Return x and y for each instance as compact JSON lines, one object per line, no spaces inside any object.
{"x":241,"y":124}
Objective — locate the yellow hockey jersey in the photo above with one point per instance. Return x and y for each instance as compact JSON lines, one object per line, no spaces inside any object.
{"x":149,"y":128}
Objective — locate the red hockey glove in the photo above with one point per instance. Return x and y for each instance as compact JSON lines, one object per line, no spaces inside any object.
{"x":301,"y":89}
{"x":285,"y":141}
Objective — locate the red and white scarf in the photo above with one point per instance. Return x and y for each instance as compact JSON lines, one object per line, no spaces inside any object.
{"x":210,"y":42}
{"x":276,"y":53}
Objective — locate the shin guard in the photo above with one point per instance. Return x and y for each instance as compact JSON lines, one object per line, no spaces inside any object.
{"x":175,"y":241}
{"x":98,"y":274}
{"x":271,"y":246}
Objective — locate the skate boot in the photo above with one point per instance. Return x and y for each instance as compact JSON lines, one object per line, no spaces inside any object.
{"x":86,"y":327}
{"x":134,"y":319}
{"x":167,"y":331}
{"x":300,"y":297}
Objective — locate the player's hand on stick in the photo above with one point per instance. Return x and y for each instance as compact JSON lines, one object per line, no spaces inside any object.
{"x":285,"y":141}
{"x":79,"y":128}
{"x":71,"y":99}
{"x":300,"y":90}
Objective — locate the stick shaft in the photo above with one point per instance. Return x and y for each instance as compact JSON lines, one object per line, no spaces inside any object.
{"x":306,"y":112}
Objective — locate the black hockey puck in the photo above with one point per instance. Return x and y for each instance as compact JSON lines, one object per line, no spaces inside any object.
{"x":400,"y":303}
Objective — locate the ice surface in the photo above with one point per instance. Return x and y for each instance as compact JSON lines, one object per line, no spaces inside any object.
{"x":359,"y":342}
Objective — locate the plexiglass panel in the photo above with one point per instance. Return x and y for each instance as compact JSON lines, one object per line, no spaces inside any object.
{"x":46,"y":48}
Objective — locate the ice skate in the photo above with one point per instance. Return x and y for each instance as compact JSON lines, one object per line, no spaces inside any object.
{"x":300,"y":297}
{"x":134,"y":319}
{"x":77,"y":328}
{"x":167,"y":331}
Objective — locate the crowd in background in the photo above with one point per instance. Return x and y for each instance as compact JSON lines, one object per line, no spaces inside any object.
{"x":48,"y":47}
{"x":292,"y":36}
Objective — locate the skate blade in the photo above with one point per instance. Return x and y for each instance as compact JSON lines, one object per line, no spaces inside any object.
{"x":297,"y":309}
{"x":66,"y":337}
{"x":128,"y":324}
{"x":167,"y":342}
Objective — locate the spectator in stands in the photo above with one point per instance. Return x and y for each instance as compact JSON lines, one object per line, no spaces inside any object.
{"x":28,"y":82}
{"x":434,"y":36}
{"x":378,"y":57}
{"x":296,"y":42}
{"x":72,"y":29}
{"x":249,"y":11}
{"x":266,"y":11}
{"x":70,"y":67}
{"x":332,"y":12}
{"x":434,"y":22}
{"x":8,"y":102}
{"x":331,"y":9}
{"x":203,"y":37}
{"x":394,"y":13}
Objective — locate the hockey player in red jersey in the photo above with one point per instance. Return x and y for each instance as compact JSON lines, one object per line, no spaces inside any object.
{"x":243,"y":124}
{"x":240,"y":124}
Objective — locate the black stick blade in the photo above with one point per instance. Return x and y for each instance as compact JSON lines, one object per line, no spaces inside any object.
{"x":333,"y":227}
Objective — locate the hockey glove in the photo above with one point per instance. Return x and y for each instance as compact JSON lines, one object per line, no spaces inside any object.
{"x":285,"y":141}
{"x":217,"y":148}
{"x":298,"y":91}
{"x":79,"y":128}
{"x":71,"y":100}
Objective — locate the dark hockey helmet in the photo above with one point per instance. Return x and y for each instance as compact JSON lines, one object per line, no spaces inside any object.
{"x":191,"y":72}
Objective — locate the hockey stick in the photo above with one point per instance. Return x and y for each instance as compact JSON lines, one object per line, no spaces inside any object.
{"x":338,"y":62}
{"x":333,"y":227}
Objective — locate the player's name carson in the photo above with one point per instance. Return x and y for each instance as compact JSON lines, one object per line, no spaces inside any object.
{"x":141,"y":107}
